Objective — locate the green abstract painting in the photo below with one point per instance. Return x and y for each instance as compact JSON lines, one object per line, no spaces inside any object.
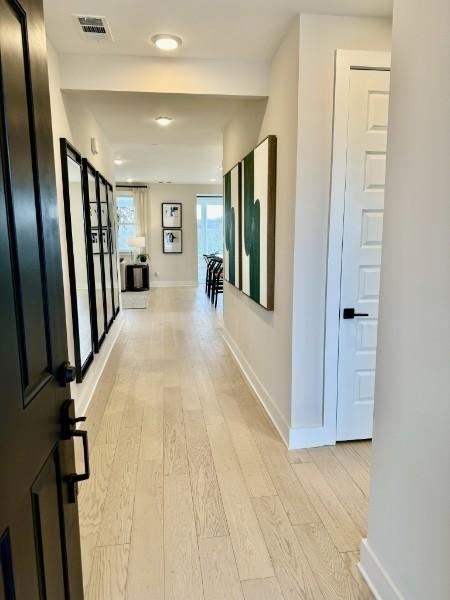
{"x":258,"y":223}
{"x":232,"y":225}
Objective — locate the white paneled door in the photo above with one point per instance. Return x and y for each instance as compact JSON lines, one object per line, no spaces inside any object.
{"x":361,"y":251}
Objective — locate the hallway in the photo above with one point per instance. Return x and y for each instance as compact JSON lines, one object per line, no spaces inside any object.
{"x":192,"y":493}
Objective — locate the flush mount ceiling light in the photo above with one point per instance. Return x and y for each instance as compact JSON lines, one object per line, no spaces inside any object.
{"x":118,"y":161}
{"x":164,"y":121}
{"x":166,"y":41}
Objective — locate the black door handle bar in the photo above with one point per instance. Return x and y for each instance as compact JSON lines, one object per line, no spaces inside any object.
{"x":68,"y":430}
{"x":349,"y":313}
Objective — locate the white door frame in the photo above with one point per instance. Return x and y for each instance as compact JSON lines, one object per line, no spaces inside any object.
{"x":346,"y":60}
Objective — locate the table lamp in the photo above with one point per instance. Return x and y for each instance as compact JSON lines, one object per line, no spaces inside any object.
{"x":136,"y":243}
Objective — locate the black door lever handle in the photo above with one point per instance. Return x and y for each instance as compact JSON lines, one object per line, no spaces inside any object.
{"x":68,"y":431}
{"x":349,"y":313}
{"x":74,"y":478}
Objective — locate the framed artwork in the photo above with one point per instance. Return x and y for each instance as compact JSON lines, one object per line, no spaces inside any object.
{"x":171,"y":214}
{"x":93,"y":213}
{"x":258,"y":222}
{"x":95,"y":241}
{"x":172,"y":241}
{"x":232,"y":226}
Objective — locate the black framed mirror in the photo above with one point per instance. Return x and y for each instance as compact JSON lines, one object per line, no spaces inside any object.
{"x":77,"y":235}
{"x":105,"y":243}
{"x":94,"y":255}
{"x":112,"y":212}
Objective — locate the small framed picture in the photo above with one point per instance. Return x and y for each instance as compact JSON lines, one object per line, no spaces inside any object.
{"x":95,"y":241}
{"x":172,"y":241}
{"x":93,"y":214}
{"x":105,"y":240}
{"x":171,"y":214}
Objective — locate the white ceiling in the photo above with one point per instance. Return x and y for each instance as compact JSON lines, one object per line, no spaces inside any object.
{"x":189,"y":150}
{"x":226,"y":29}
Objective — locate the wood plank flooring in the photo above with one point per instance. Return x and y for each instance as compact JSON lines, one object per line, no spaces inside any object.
{"x":193,"y":495}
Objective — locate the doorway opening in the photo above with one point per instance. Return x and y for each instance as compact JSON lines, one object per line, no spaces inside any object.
{"x":209,"y":230}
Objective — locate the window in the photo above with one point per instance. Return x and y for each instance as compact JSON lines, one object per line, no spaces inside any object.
{"x":126,"y":216}
{"x":209,"y":230}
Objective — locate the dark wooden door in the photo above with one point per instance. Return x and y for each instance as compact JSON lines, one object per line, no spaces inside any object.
{"x":39,"y":534}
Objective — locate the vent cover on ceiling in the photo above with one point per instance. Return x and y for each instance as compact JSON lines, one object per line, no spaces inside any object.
{"x":94,"y":28}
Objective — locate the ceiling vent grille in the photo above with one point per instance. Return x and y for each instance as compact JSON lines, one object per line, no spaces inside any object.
{"x":94,"y":28}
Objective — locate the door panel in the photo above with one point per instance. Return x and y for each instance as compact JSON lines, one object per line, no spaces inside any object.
{"x":15,"y":76}
{"x":7,"y":587}
{"x":48,"y":527}
{"x":361,"y":250}
{"x":33,"y":342}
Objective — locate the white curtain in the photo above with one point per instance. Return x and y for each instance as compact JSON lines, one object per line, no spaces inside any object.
{"x":141,"y":200}
{"x":141,"y":206}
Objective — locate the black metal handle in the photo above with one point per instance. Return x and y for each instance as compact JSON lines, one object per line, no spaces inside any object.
{"x":74,"y":478}
{"x":349,"y":313}
{"x":66,"y":374}
{"x":68,"y":431}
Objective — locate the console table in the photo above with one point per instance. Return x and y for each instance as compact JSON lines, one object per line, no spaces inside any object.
{"x":137,"y":278}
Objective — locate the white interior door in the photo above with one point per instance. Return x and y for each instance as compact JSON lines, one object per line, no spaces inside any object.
{"x":361,"y":251}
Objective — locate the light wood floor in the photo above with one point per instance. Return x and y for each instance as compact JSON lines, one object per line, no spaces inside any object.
{"x":192,"y":494}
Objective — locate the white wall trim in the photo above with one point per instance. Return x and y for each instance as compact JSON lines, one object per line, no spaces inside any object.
{"x":167,"y":284}
{"x":85,"y":391}
{"x":345,"y":61}
{"x":258,"y":388}
{"x":379,"y":582}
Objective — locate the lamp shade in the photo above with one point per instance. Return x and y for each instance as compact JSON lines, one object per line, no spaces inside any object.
{"x":136,"y":242}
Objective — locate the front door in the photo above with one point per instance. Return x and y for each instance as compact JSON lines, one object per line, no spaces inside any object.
{"x":39,"y":535}
{"x":361,"y":251}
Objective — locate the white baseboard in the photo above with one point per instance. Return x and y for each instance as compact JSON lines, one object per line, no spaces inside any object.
{"x":258,"y":388}
{"x":309,"y":437}
{"x":83,"y":392}
{"x":379,"y":582}
{"x":166,"y":284}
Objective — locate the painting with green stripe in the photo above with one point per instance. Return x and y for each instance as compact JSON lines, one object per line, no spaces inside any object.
{"x":258,"y":185}
{"x":232,"y":226}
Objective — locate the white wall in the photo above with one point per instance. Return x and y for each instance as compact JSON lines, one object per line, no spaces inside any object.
{"x":284,"y":350}
{"x":409,"y":514}
{"x":159,"y":75}
{"x":242,"y":132}
{"x":175,"y":269}
{"x":262,"y":340}
{"x":84,"y":127}
{"x":320,"y":36}
{"x":74,"y":122}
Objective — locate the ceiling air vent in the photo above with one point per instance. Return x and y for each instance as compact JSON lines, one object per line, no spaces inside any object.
{"x":94,"y":28}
